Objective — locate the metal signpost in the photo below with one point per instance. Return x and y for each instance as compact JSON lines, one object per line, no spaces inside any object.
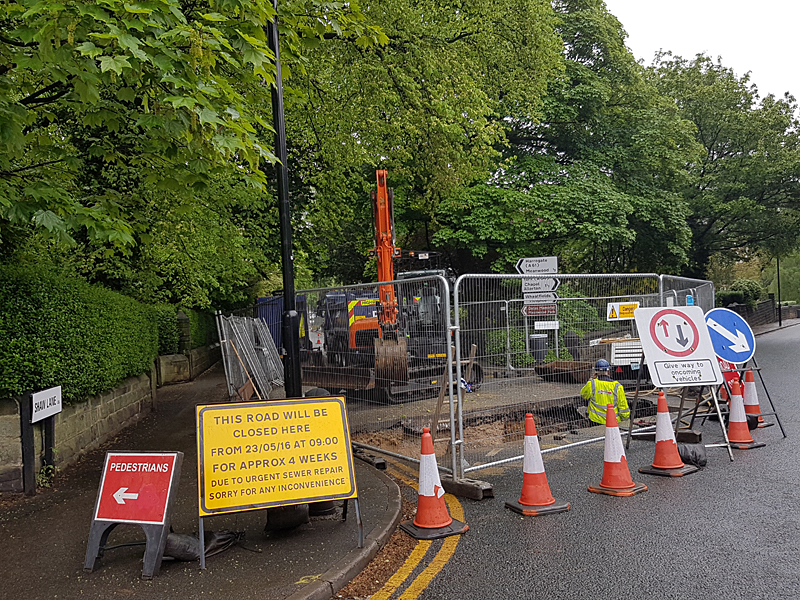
{"x":35,"y":407}
{"x":136,"y":488}
{"x":256,"y":455}
{"x":677,"y":347}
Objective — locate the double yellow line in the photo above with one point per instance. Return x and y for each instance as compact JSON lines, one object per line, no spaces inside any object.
{"x":437,"y":562}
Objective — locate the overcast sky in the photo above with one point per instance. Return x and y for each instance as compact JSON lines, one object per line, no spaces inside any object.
{"x":757,"y":36}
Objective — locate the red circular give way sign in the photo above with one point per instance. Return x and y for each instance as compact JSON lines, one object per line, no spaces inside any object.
{"x":135,"y":487}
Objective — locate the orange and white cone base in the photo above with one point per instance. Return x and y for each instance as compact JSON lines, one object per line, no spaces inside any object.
{"x":433,"y":520}
{"x":616,"y":474}
{"x":751,"y":404}
{"x":667,"y":461}
{"x":536,"y":498}
{"x":738,"y":432}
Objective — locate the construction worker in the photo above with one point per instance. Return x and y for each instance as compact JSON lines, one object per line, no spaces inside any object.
{"x":601,"y":391}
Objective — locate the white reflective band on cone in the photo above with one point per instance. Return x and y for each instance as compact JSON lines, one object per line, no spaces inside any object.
{"x":664,"y":428}
{"x":429,"y":482}
{"x":750,"y":393}
{"x":737,"y":410}
{"x":532,"y":462}
{"x":614,"y":450}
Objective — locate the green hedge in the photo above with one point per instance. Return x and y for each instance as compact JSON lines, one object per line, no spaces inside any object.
{"x":168,"y":333}
{"x":62,"y":331}
{"x":727,"y":297}
{"x":202,"y":326}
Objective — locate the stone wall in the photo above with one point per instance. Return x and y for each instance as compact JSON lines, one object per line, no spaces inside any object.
{"x":178,"y":368}
{"x":764,"y":312}
{"x":79,"y":428}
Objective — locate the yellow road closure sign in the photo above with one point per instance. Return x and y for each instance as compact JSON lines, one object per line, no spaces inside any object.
{"x":254,"y":455}
{"x":620,"y":311}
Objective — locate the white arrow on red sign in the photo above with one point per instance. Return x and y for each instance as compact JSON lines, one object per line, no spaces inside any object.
{"x":120,"y":496}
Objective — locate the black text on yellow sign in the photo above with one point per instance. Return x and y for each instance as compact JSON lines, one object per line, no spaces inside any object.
{"x":254,"y":455}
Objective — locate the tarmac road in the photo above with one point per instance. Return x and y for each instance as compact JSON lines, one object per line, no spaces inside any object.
{"x":730,"y":531}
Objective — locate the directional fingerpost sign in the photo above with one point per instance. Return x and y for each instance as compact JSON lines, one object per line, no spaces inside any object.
{"x":677,"y":346}
{"x":136,"y":488}
{"x":540,"y":284}
{"x":541,"y":265}
{"x":540,"y":310}
{"x":540,"y":298}
{"x":731,"y":336}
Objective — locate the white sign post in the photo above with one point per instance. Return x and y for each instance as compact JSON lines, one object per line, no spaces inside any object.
{"x":542,"y":265}
{"x":677,"y":346}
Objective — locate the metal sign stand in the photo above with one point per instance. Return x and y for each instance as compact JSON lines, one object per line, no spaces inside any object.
{"x":156,"y":534}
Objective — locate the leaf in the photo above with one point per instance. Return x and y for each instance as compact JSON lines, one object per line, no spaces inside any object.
{"x":208,"y":115}
{"x":113,"y":63}
{"x":216,"y":17}
{"x":89,"y":49}
{"x":126,"y":94}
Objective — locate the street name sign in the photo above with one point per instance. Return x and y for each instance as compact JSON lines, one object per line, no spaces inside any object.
{"x":255,"y":455}
{"x":540,"y":298}
{"x":46,"y":403}
{"x":677,"y":346}
{"x":542,"y":265}
{"x":540,"y":310}
{"x":545,"y":325}
{"x":540,"y":284}
{"x":731,"y":336}
{"x":620,"y":311}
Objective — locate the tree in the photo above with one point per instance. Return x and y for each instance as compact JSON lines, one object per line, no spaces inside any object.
{"x":595,"y":181}
{"x":428,"y":107}
{"x":744,"y":190}
{"x":175,"y":90}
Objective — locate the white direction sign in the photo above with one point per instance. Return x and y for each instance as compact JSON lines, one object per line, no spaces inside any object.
{"x":542,"y":265}
{"x":540,"y":298}
{"x":540,"y":284}
{"x":677,"y":346}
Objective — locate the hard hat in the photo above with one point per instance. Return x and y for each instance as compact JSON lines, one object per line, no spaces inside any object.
{"x":602,"y":365}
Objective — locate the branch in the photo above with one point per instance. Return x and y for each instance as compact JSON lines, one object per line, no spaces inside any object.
{"x":29,"y":167}
{"x":11,"y":42}
{"x":36,"y":97}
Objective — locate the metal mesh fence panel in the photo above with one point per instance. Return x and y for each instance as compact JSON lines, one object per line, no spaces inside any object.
{"x":676,"y":290}
{"x":536,"y":339}
{"x":249,"y":355}
{"x":392,"y":368}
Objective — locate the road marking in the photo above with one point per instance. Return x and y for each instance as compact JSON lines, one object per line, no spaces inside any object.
{"x":436,"y":564}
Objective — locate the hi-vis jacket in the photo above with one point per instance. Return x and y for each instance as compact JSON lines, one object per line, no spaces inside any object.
{"x":600,"y":393}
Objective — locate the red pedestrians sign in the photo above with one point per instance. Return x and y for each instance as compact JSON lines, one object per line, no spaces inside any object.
{"x":135,"y":487}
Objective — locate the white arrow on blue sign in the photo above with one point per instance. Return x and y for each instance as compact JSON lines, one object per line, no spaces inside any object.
{"x":731,"y":336}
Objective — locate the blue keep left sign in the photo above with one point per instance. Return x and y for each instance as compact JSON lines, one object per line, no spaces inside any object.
{"x":731,"y":336}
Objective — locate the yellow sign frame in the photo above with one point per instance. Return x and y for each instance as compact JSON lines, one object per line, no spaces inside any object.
{"x":256,"y":455}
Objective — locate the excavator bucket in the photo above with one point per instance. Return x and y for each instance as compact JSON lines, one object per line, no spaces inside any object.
{"x":391,"y":362}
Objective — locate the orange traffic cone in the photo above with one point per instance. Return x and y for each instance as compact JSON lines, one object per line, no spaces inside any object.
{"x":751,"y":404}
{"x":667,"y":461}
{"x":433,"y":520}
{"x":738,"y":432}
{"x":536,"y":498}
{"x":723,"y":396}
{"x":616,"y":474}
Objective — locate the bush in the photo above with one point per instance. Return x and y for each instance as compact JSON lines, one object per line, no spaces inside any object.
{"x":203,"y":327}
{"x":168,"y":333}
{"x":496,"y":348}
{"x":728,"y":297}
{"x":753,"y":290}
{"x":62,"y":331}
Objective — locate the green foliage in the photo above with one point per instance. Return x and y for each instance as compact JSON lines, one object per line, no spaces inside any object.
{"x":595,"y":182}
{"x":728,"y":297}
{"x":174,"y":91}
{"x":203,"y":327}
{"x":744,"y":191}
{"x":752,"y":291}
{"x":166,"y":316}
{"x":563,"y":354}
{"x":496,"y":348}
{"x":62,"y":331}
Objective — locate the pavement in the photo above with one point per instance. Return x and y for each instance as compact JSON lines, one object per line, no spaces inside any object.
{"x":44,"y":537}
